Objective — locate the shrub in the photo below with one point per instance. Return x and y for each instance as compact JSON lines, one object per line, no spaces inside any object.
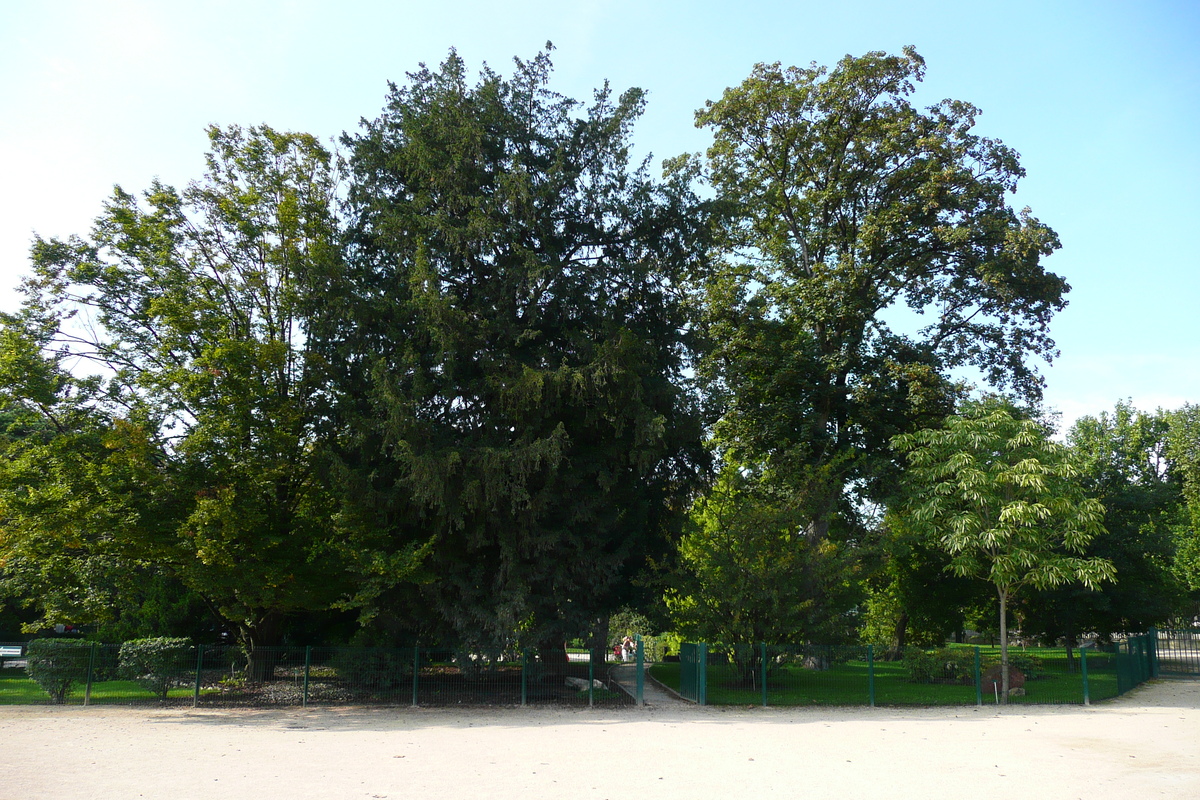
{"x":1031,"y":666}
{"x":57,"y":665}
{"x":654,"y":648}
{"x":626,"y":622}
{"x":671,"y":642}
{"x":943,"y":665}
{"x":156,"y":664}
{"x":373,"y":668}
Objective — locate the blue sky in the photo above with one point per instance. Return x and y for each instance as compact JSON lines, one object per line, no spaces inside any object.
{"x":1100,"y":98}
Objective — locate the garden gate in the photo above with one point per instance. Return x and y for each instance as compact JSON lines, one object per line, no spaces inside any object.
{"x":693,"y":668}
{"x":1178,"y":652}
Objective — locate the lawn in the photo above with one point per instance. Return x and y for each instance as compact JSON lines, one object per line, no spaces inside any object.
{"x":438,"y":685}
{"x":842,"y":683}
{"x":17,"y":689}
{"x":847,"y":683}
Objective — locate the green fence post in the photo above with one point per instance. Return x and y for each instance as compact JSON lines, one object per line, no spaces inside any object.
{"x":1152,"y":641}
{"x":524,"y":672}
{"x":1087,"y":700}
{"x":871,"y":673}
{"x":591,"y":678}
{"x":1135,"y":661}
{"x":199,"y":665}
{"x":1138,"y":651}
{"x":416,"y":671}
{"x":978,"y":679}
{"x":307,"y":665}
{"x":641,"y":672}
{"x":702,"y":675}
{"x":1143,"y":659}
{"x":87,"y":692}
{"x":763,"y":655}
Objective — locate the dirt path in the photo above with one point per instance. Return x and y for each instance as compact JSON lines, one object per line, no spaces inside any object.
{"x":1146,"y":744}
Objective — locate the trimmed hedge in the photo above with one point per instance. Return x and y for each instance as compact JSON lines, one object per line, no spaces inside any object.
{"x":157,"y":665}
{"x":57,"y":665}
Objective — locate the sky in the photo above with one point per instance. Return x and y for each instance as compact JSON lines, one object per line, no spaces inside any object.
{"x":1101,"y":99}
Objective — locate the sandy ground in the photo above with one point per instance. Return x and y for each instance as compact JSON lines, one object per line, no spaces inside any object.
{"x":1146,"y":744}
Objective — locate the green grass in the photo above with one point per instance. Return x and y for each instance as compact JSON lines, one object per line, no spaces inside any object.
{"x":844,"y":683}
{"x":848,"y":684}
{"x":17,"y":689}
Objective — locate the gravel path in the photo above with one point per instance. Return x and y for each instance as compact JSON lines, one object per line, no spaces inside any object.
{"x":1146,"y":744}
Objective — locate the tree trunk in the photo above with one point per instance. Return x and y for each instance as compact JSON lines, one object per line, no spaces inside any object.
{"x":1003,"y":646}
{"x":598,"y":646}
{"x":747,"y":659}
{"x":261,"y":640}
{"x":553,"y":658}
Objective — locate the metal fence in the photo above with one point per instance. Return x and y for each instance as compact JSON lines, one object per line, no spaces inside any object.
{"x":207,"y":675}
{"x":692,"y":682}
{"x":760,"y":674}
{"x":1178,"y":652}
{"x":794,"y":675}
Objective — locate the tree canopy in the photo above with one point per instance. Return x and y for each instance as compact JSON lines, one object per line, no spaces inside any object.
{"x":1123,"y":462}
{"x":483,"y":380}
{"x":843,"y":203}
{"x":190,"y":308}
{"x":1004,"y":502}
{"x":512,"y":345}
{"x":1184,"y":451}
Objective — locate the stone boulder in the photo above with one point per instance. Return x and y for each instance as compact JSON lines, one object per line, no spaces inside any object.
{"x":1016,"y":678}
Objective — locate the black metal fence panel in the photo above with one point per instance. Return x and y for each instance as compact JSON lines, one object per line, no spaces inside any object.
{"x":1178,"y":652}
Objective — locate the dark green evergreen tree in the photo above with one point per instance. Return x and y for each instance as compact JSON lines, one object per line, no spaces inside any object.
{"x":511,"y":340}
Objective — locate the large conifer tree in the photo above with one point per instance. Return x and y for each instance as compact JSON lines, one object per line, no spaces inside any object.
{"x":512,"y":344}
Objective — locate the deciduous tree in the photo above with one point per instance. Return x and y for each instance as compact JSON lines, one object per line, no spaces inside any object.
{"x":1004,"y":502}
{"x":1183,"y":448}
{"x":845,"y":206}
{"x":748,"y":574}
{"x":191,"y":306}
{"x":1123,"y":462}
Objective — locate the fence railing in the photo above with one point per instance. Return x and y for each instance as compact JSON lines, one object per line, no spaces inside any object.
{"x":207,"y":675}
{"x":763,"y":674}
{"x":760,"y":674}
{"x":1177,"y":652}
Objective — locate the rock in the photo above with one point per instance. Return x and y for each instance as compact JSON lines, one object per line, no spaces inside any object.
{"x":1016,"y":678}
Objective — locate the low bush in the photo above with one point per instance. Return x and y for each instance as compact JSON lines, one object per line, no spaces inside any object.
{"x":373,"y":668}
{"x":1031,"y":666}
{"x":57,"y":665}
{"x":943,"y":665}
{"x":157,"y":665}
